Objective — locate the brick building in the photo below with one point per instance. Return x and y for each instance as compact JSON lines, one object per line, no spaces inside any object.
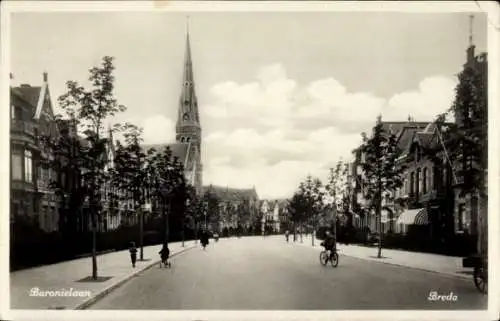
{"x":32,"y":115}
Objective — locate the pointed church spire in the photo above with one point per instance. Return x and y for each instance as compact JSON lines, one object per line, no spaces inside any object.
{"x":188,"y":65}
{"x":188,"y":108}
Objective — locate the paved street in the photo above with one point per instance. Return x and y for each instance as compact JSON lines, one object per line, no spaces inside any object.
{"x":256,"y":273}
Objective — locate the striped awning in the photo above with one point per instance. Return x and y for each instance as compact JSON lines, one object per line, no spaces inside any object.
{"x":416,"y":216}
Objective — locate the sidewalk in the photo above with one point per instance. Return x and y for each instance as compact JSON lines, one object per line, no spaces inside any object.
{"x":448,"y":265}
{"x":115,"y":268}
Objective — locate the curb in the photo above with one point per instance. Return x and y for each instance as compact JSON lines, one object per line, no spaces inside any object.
{"x":455,"y":275}
{"x":110,"y":288}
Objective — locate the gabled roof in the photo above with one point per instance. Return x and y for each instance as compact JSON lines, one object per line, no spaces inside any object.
{"x":231,"y":194}
{"x":424,"y":139}
{"x":29,"y":94}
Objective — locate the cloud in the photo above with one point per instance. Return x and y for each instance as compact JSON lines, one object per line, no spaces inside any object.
{"x":158,"y":129}
{"x":275,"y":132}
{"x":434,"y":95}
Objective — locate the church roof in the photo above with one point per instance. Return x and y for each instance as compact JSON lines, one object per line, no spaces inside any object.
{"x":180,"y":150}
{"x":231,"y":194}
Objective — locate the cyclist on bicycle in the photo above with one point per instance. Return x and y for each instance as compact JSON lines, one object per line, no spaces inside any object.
{"x":329,"y":243}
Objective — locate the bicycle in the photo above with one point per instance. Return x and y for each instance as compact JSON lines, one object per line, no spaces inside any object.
{"x":326,"y":256}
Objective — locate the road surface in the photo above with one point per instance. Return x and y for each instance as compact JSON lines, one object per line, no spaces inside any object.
{"x":269,"y":274}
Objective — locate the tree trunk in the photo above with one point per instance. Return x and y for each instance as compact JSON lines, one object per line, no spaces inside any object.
{"x":313,"y":232}
{"x":167,"y":218}
{"x":141,"y":234}
{"x":301,"y":232}
{"x":94,"y":244}
{"x":196,"y":227}
{"x":379,"y":215}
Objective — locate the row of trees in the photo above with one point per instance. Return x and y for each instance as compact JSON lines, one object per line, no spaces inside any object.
{"x":463,"y":144}
{"x":95,"y":172}
{"x":317,"y":204}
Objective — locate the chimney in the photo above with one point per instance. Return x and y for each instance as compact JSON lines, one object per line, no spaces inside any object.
{"x":45,"y":77}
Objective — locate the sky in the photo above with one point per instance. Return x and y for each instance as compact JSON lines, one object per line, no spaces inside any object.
{"x":281,"y":94}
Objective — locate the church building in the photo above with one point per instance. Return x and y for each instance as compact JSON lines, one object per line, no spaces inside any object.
{"x":187,"y":146}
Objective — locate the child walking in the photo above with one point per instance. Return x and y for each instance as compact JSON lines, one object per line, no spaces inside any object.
{"x":133,"y":253}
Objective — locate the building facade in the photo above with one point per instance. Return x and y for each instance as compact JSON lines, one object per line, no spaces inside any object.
{"x":31,"y":116}
{"x":237,"y":207}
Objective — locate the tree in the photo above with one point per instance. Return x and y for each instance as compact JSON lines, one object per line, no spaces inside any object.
{"x":211,"y":208}
{"x":381,"y":173}
{"x":466,"y":141}
{"x":191,"y":213}
{"x":297,"y":208}
{"x":334,"y":187}
{"x":88,"y":111}
{"x":129,"y":173}
{"x":314,"y":198}
{"x":167,"y":181}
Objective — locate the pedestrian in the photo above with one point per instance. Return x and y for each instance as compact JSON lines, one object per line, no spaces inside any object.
{"x":133,"y":253}
{"x":204,"y":239}
{"x":287,"y":235}
{"x":164,"y":255}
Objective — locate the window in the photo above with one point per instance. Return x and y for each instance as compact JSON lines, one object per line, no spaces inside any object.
{"x":412,"y":183}
{"x":418,"y":182}
{"x":435,"y":177}
{"x":63,"y":180}
{"x":461,"y":217}
{"x":424,"y":181}
{"x":28,"y":166}
{"x":17,"y":167}
{"x":188,"y":139}
{"x":12,"y":112}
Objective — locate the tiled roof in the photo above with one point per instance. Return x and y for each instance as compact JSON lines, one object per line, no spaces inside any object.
{"x":29,"y":94}
{"x":406,"y":137}
{"x":398,"y":126}
{"x":179,"y":150}
{"x":231,"y":194}
{"x":424,"y":138}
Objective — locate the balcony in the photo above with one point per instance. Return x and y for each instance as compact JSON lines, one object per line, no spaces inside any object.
{"x":23,"y":127}
{"x":18,"y":184}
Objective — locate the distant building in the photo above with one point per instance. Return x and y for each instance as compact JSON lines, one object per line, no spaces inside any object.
{"x":274,"y":215}
{"x":237,"y":207}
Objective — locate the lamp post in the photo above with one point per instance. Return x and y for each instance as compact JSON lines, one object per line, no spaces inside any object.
{"x":184,"y":220}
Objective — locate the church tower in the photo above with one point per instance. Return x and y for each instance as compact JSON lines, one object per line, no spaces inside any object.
{"x":188,"y":128}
